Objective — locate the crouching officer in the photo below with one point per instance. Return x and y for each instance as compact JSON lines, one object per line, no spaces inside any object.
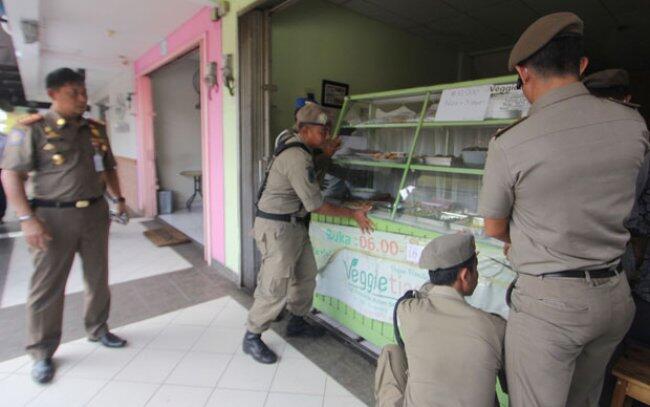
{"x":452,"y":350}
{"x":289,"y":193}
{"x":69,"y":162}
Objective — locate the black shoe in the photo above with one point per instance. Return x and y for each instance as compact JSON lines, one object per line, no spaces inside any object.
{"x":254,"y":346}
{"x":110,"y":340}
{"x":43,"y":371}
{"x":297,"y":326}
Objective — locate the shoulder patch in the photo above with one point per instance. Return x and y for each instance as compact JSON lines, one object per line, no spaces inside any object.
{"x":624,"y":103}
{"x":96,"y":122}
{"x":31,"y":119}
{"x":500,"y":132}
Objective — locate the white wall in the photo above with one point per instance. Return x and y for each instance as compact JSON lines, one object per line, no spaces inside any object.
{"x":120,"y":117}
{"x":177,"y":127}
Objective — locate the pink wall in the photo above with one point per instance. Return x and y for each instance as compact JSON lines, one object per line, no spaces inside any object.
{"x":198,"y":31}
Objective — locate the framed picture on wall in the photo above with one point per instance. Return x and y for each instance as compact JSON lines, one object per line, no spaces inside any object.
{"x":334,"y":93}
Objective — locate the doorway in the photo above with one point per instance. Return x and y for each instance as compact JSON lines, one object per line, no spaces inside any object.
{"x":176,"y":95}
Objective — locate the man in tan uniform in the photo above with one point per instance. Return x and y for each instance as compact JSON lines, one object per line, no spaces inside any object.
{"x":452,"y":351}
{"x":288,"y":272}
{"x":610,"y":83}
{"x":70,"y":163}
{"x":558,"y":185}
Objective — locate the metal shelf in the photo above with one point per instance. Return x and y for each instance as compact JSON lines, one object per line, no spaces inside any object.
{"x":410,"y":125}
{"x":368,"y":163}
{"x":415,"y":167}
{"x":452,"y":170}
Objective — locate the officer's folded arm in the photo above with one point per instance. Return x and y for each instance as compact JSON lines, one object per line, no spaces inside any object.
{"x":33,"y":229}
{"x":359,"y":215}
{"x":498,"y":229}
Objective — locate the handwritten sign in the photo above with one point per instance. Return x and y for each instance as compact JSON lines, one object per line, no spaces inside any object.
{"x":463,"y":104}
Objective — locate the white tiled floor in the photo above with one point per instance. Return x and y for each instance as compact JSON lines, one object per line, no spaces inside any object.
{"x":190,"y":357}
{"x":131,"y":257}
{"x":188,"y":222}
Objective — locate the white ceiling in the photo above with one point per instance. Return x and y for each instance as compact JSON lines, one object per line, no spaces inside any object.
{"x":100,"y":36}
{"x":617,"y":32}
{"x":104,"y":37}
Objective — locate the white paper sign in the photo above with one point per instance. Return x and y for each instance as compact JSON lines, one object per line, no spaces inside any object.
{"x":507,"y":102}
{"x":463,"y":104}
{"x":413,"y":253}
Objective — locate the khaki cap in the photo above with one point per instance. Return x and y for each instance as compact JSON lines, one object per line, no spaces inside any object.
{"x":448,"y":251}
{"x":541,"y":32}
{"x":312,"y":113}
{"x":609,"y":78}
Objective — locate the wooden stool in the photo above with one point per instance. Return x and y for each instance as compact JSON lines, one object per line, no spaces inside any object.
{"x":632,"y":371}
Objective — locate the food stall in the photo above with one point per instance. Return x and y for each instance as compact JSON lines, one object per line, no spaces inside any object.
{"x":417,"y":155}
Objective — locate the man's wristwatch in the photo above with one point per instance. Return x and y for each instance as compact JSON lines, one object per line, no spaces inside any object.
{"x":25,"y":218}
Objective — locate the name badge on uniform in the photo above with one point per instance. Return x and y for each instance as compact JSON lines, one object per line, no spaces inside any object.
{"x":99,"y":162}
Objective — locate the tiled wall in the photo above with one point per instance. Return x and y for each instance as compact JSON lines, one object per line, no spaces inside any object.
{"x":127,"y":171}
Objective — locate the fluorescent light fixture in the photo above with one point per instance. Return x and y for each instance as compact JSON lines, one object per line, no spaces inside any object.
{"x":30,"y":30}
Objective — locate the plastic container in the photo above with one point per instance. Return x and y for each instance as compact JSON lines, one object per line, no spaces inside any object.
{"x":165,"y":202}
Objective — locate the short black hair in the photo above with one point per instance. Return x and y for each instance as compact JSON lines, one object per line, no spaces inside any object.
{"x":449,"y":275}
{"x":561,"y":56}
{"x":614,"y":92}
{"x":63,"y":76}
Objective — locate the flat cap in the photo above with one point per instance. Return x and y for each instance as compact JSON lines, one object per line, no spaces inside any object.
{"x":312,"y":113}
{"x":541,"y":32}
{"x":447,"y":251}
{"x":608,"y":78}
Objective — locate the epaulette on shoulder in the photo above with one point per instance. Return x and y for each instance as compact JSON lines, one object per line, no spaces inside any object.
{"x":624,"y":103}
{"x":96,"y":122}
{"x":31,"y":119}
{"x":500,"y":132}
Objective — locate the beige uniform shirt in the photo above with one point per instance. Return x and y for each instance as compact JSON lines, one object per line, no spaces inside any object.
{"x":292,"y":185}
{"x":565,"y":177}
{"x":32,"y":148}
{"x":454,"y":350}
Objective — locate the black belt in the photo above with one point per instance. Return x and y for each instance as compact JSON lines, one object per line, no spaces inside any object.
{"x":599,"y":273}
{"x":283,"y":218}
{"x":82,"y":203}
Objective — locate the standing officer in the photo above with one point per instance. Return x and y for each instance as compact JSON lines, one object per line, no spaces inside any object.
{"x":453,"y":350}
{"x":70,"y":163}
{"x":610,"y":83}
{"x":288,"y":272}
{"x":558,"y":185}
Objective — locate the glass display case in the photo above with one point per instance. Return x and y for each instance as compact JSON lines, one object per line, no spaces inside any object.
{"x":413,"y":167}
{"x":417,"y":155}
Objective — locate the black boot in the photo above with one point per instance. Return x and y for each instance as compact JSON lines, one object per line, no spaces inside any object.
{"x":297,"y":326}
{"x":43,"y":371}
{"x":110,"y":340}
{"x":254,"y":346}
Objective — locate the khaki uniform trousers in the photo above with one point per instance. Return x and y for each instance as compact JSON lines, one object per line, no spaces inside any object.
{"x":73,"y":230}
{"x":287,"y":275}
{"x":561,"y":333}
{"x":391,"y":377}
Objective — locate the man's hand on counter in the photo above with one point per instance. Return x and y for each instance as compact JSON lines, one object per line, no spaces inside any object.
{"x":359,"y":215}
